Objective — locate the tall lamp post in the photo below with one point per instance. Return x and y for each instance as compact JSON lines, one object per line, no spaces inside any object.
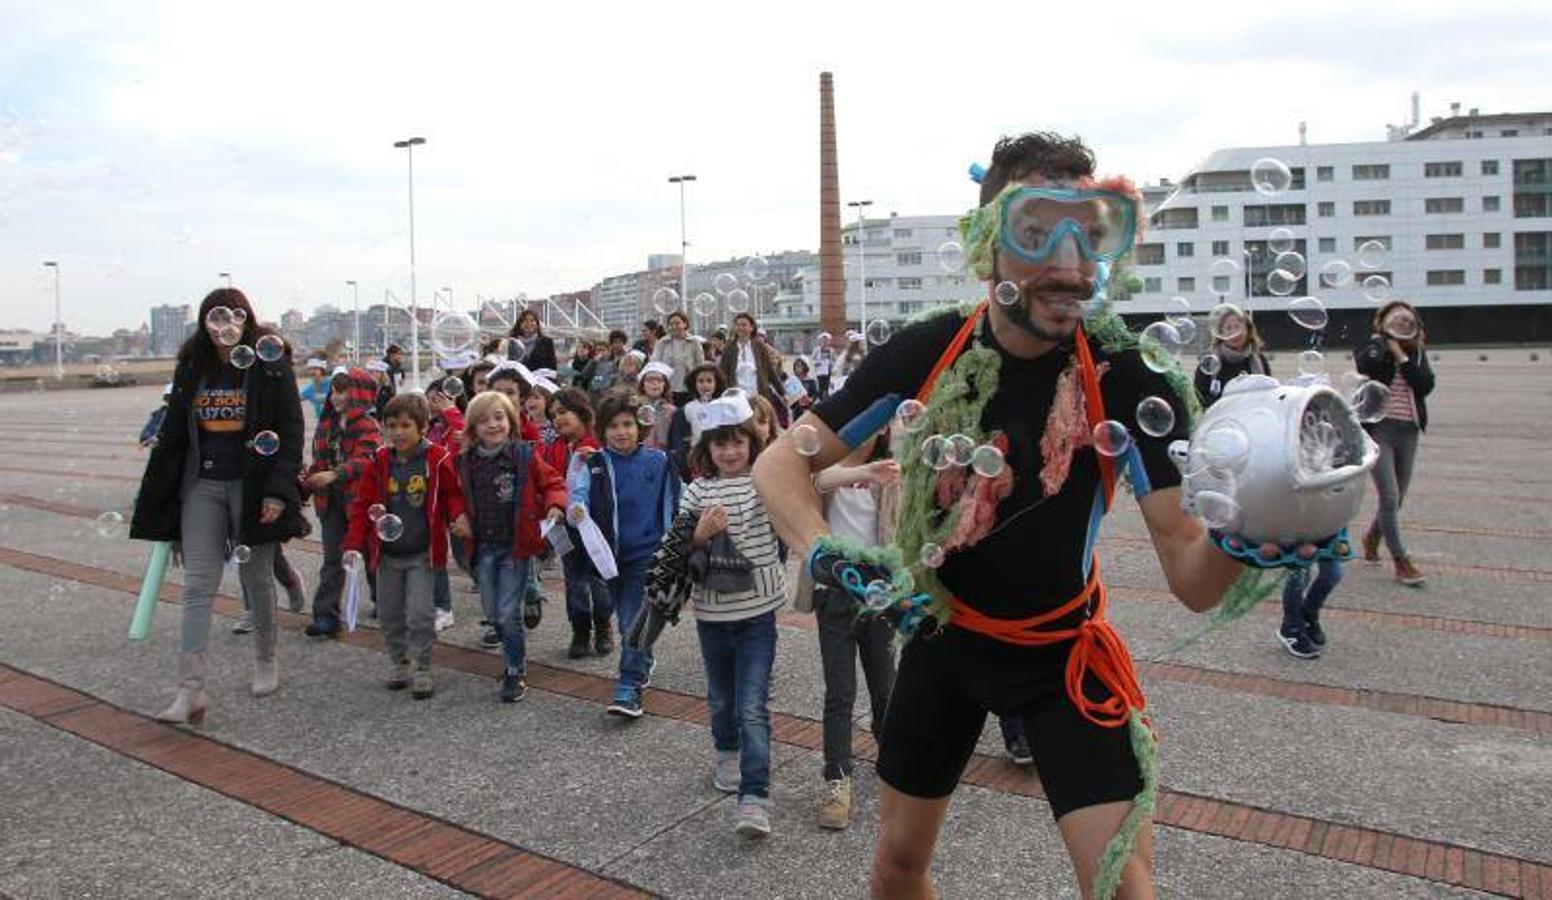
{"x":355,"y":344}
{"x":59,"y":328}
{"x":684,"y":242}
{"x":408,"y":145}
{"x":225,"y":276}
{"x":862,"y":264}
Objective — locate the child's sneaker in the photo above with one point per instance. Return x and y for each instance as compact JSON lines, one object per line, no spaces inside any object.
{"x":296,"y":592}
{"x":444,"y":619}
{"x":835,"y":808}
{"x":398,"y":676}
{"x":626,"y":703}
{"x":422,"y":685}
{"x":491,"y":639}
{"x":244,"y":623}
{"x":725,"y":776}
{"x":1020,"y":752}
{"x":1317,"y":635}
{"x":1298,"y":644}
{"x":752,"y":818}
{"x":513,"y":688}
{"x":323,"y":627}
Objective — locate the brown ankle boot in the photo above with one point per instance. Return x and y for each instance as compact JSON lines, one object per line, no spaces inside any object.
{"x":1371,"y":548}
{"x":1407,"y":574}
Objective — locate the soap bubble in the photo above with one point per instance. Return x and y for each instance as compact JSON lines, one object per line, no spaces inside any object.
{"x":1218,"y":511}
{"x":1376,"y":288}
{"x":1269,"y":176}
{"x":1336,"y":273}
{"x":1280,"y":240}
{"x":1210,"y":363}
{"x":1226,"y":446}
{"x":1177,"y":308}
{"x":270,"y":347}
{"x":960,"y":449}
{"x":756,"y":268}
{"x":805,"y":439}
{"x":1312,"y":362}
{"x":266,"y":443}
{"x":878,"y":331}
{"x":452,"y":386}
{"x":1400,"y":324}
{"x":705,"y":304}
{"x":1226,"y":322}
{"x":351,"y":560}
{"x":1308,"y":312}
{"x":376,"y":511}
{"x":1155,"y":417}
{"x":243,"y":356}
{"x":1159,"y":343}
{"x":239,"y":316}
{"x":1371,"y":254}
{"x":932,"y":555}
{"x":724,"y":282}
{"x":1111,"y":438}
{"x":229,"y":335}
{"x":390,"y":528}
{"x":646,"y":417}
{"x":1281,"y":282}
{"x":1369,"y":401}
{"x":987,"y":461}
{"x":665,"y":300}
{"x":912,"y":415}
{"x":110,"y":524}
{"x":1185,"y":329}
{"x":1292,"y":262}
{"x":1007,"y":293}
{"x":876,"y":595}
{"x":951,"y":257}
{"x":241,"y":554}
{"x":738,"y":300}
{"x":935,"y":453}
{"x":454,"y":332}
{"x":218,"y":317}
{"x":1223,"y":267}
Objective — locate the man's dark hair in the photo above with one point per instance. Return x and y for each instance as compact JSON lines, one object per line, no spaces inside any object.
{"x":410,"y":406}
{"x":1037,"y":152}
{"x":618,"y":335}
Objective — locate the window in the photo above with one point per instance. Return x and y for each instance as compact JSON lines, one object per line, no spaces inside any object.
{"x":1186,"y":285}
{"x":1325,"y":209}
{"x":1221,"y":284}
{"x":1490,"y":204}
{"x":1275,"y":214}
{"x":1371,"y":172}
{"x":1323,"y":173}
{"x":909,"y":259}
{"x":1327,"y":245}
{"x":1383,"y":239}
{"x":1220,"y":213}
{"x":1441,"y":170}
{"x":1445,"y":241}
{"x":1371,"y":207}
{"x":1491,"y":240}
{"x":1153,"y":285}
{"x":1150,"y":254}
{"x":1444,"y":205}
{"x":909,"y":284}
{"x":1185,"y":248}
{"x":902,"y":232}
{"x":1509,"y":132}
{"x":1489,"y":167}
{"x":1446,"y":277}
{"x":1358,"y":278}
{"x":1492,"y":276}
{"x":1220,"y":248}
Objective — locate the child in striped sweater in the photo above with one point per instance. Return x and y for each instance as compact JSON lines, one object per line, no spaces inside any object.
{"x":737,"y":629}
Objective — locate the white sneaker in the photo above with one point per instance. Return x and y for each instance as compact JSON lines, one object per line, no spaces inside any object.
{"x":752,"y":818}
{"x":244,"y":624}
{"x":444,"y":619}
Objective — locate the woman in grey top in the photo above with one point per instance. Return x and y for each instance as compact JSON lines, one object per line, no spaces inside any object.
{"x":680,"y":351}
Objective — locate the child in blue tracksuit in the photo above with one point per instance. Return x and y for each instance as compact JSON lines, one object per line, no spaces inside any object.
{"x":1300,"y":632}
{"x":631,"y":492}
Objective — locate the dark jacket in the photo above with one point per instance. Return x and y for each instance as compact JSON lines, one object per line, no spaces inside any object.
{"x":1374,"y":361}
{"x":542,"y":356}
{"x":272,"y":404}
{"x":1210,"y":387}
{"x":767,"y":375}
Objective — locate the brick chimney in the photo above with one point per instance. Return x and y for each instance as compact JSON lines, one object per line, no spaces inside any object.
{"x":832,"y":273}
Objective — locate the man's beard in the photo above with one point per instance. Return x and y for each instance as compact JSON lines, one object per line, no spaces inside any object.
{"x":1022,"y":313}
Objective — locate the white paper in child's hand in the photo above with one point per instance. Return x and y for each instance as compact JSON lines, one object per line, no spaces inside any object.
{"x":549,"y":530}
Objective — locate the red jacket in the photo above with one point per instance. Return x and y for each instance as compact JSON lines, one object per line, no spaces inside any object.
{"x":544,"y":489}
{"x":447,"y":429}
{"x":444,"y":503}
{"x":353,"y":433}
{"x":558,"y":453}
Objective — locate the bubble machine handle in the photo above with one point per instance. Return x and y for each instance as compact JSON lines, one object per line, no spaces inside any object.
{"x":150,"y":590}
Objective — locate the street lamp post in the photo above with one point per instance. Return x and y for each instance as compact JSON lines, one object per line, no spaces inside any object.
{"x":409,"y":145}
{"x":59,"y":328}
{"x":225,"y":276}
{"x":862,"y":264}
{"x":684,"y":242}
{"x":355,"y":345}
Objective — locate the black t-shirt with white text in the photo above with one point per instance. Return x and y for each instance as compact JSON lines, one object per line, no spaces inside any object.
{"x":220,"y":411}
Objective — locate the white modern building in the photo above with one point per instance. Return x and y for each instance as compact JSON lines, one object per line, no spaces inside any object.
{"x":1462,"y":208}
{"x":170,"y":324}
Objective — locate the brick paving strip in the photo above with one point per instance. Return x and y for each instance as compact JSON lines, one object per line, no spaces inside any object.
{"x":456,"y":856}
{"x":1447,"y":863}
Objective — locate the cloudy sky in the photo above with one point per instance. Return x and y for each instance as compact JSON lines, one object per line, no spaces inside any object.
{"x":149,"y":146}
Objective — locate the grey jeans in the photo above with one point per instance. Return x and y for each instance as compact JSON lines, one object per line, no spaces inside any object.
{"x":842,"y":638}
{"x":212,"y":512}
{"x":404,"y":607}
{"x":1392,"y":476}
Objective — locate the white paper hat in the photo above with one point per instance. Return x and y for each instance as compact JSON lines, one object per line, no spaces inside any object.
{"x":734,"y":410}
{"x":657,"y":368}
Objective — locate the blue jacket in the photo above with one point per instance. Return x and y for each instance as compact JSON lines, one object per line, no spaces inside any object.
{"x":648,"y":482}
{"x":153,"y":424}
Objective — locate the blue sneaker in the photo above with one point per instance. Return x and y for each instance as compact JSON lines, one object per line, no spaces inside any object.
{"x":626,"y":703}
{"x":323,"y":626}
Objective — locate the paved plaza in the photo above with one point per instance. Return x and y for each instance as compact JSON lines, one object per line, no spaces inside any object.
{"x":1413,"y":759}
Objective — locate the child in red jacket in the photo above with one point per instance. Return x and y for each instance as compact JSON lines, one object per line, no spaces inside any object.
{"x":416,"y":484}
{"x":508,"y":488}
{"x":587,"y":595}
{"x":343,"y":445}
{"x":446,"y":429}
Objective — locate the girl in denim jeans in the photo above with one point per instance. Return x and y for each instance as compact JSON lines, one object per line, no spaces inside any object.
{"x":507,"y":488}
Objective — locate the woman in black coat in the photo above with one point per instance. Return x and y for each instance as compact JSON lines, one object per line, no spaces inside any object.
{"x":528,"y":344}
{"x":223,"y":482}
